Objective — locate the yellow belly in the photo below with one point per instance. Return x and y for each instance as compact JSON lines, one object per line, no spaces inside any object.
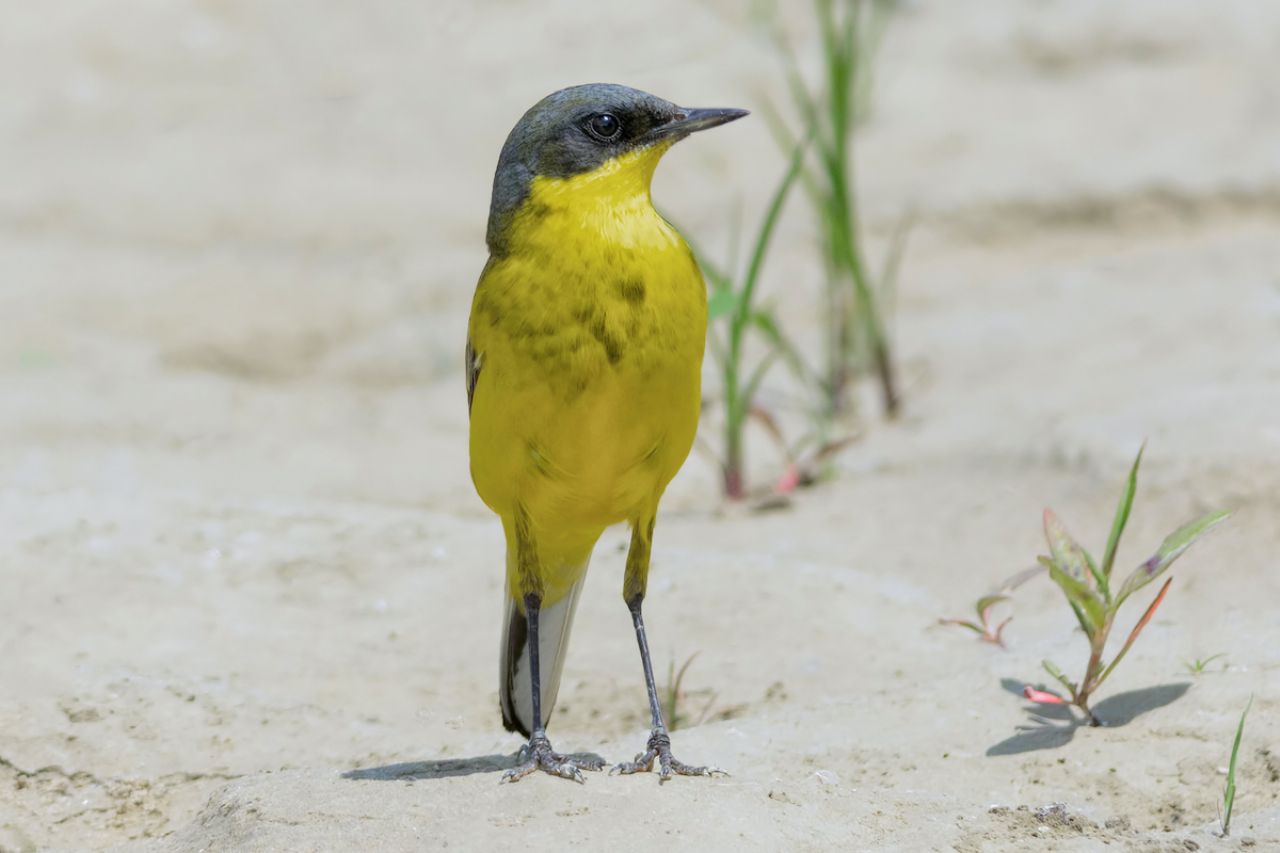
{"x":590,"y":343}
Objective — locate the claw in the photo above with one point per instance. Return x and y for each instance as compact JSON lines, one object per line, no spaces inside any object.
{"x":659,"y":748}
{"x":537,"y":754}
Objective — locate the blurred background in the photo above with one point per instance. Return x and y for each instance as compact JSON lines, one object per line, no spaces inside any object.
{"x":238,"y":243}
{"x":204,"y":200}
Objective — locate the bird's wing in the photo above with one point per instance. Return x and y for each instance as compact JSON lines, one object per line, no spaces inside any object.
{"x":473,"y":360}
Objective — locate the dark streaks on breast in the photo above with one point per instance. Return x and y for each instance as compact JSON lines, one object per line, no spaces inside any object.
{"x":472,"y":360}
{"x":632,"y":290}
{"x":612,"y":347}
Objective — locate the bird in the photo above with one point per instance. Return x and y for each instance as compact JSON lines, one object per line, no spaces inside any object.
{"x":583,"y":374}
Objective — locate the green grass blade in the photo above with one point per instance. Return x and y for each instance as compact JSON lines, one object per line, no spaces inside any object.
{"x":1229,"y":794}
{"x":721,"y":303}
{"x":1122,"y":514}
{"x":1197,"y":666}
{"x":761,"y":247}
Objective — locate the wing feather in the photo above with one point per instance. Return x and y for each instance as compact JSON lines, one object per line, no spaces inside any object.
{"x":473,"y":360}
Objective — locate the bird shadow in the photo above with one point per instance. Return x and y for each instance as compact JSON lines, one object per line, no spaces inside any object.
{"x":1052,"y":726}
{"x":445,"y":768}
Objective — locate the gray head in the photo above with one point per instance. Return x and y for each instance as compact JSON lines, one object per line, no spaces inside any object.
{"x":579,"y":129}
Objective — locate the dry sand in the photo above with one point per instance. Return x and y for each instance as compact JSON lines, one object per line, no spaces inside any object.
{"x":250,"y":601}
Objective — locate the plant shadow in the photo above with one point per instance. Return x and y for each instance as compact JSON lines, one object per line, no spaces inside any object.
{"x":444,"y":768}
{"x":1052,"y":726}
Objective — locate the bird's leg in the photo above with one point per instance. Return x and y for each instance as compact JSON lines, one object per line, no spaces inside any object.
{"x":659,"y":745}
{"x":537,"y":754}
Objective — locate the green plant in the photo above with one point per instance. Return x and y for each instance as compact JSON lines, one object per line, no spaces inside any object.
{"x":856,"y":337}
{"x":985,"y":626}
{"x":806,"y":459}
{"x":986,"y":630}
{"x":674,"y":696}
{"x":732,"y":306}
{"x":1087,"y":587}
{"x":1229,"y":792}
{"x":1197,"y":666}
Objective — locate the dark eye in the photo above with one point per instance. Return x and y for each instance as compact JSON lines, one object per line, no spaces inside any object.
{"x":604,"y":126}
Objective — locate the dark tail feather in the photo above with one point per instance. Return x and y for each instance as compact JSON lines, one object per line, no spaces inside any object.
{"x":515,"y":691}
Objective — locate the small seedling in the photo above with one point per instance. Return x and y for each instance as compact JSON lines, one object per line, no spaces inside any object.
{"x":1088,"y":589}
{"x":1197,"y":666}
{"x":1229,"y":793}
{"x":806,"y":459}
{"x":985,"y":627}
{"x":674,"y":696}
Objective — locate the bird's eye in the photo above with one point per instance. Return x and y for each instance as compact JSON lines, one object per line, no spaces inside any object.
{"x":604,"y":126}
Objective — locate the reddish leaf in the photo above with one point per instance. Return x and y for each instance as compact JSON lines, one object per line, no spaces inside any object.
{"x":789,"y":480}
{"x":1042,"y":696}
{"x":1137,"y":629}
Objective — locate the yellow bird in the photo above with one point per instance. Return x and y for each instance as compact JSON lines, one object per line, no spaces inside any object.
{"x":584,"y":360}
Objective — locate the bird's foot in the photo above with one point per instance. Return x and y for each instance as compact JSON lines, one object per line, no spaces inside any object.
{"x":537,"y":754}
{"x":659,"y":748}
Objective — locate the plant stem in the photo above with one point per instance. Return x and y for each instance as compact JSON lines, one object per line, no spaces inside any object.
{"x":734,"y":417}
{"x":884,"y":367}
{"x":1091,"y":681}
{"x":734,"y":487}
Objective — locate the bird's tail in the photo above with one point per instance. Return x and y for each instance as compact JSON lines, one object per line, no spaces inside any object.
{"x":514,"y":688}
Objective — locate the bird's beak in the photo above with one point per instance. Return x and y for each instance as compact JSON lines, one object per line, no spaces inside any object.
{"x":689,"y":121}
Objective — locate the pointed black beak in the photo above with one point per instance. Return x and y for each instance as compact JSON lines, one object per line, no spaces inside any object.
{"x":689,"y":121}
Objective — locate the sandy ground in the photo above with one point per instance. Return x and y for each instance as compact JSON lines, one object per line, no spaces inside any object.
{"x":250,"y":601}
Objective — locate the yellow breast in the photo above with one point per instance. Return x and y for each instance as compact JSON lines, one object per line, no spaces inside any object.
{"x":590,"y":332}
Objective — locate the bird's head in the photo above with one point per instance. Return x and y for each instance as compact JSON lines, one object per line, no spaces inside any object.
{"x":604,"y":128}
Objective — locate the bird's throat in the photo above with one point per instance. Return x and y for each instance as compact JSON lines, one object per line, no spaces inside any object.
{"x":611,"y":204}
